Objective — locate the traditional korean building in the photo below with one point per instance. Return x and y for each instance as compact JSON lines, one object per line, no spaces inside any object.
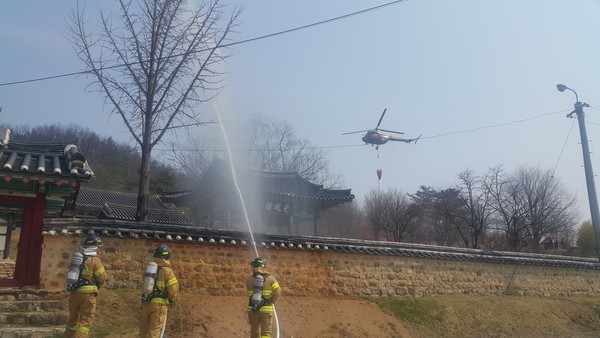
{"x":37,"y":180}
{"x":273,"y":202}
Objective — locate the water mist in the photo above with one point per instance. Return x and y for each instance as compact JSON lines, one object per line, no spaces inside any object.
{"x":240,"y":195}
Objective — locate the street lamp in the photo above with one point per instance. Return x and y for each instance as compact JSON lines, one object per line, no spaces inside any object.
{"x":587,"y":163}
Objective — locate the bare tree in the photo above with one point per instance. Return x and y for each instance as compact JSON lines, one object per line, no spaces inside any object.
{"x":275,"y":146}
{"x":472,"y":218}
{"x":507,"y":201}
{"x":154,"y":64}
{"x":531,"y":205}
{"x":194,"y":157}
{"x":341,"y":221}
{"x":549,"y":207}
{"x":433,"y":210}
{"x":391,"y":215}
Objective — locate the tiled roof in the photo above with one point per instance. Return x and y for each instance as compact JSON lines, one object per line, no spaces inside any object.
{"x":288,"y":184}
{"x":127,"y":213}
{"x":42,"y":159}
{"x":91,"y":200}
{"x":292,"y":184}
{"x":122,"y":206}
{"x":54,"y":169}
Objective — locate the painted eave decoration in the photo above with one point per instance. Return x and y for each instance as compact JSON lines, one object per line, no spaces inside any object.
{"x":53,"y":169}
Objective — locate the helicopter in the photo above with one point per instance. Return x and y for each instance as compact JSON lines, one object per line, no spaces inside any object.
{"x":377,"y":137}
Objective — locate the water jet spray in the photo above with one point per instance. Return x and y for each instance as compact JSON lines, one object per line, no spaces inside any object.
{"x":239,"y":193}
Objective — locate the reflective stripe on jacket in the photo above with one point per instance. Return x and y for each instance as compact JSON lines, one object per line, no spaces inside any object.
{"x":92,"y":271}
{"x":166,"y":282}
{"x":271,"y":292}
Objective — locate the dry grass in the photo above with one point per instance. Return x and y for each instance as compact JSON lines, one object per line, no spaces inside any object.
{"x":442,"y":316}
{"x":507,"y":316}
{"x":117,"y":314}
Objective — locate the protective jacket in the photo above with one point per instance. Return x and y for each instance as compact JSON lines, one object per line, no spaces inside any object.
{"x":270,"y":292}
{"x":82,"y":301}
{"x":153,"y":312}
{"x":166,"y":287}
{"x":93,"y":276}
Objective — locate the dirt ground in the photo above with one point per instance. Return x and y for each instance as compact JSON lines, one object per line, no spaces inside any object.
{"x":452,"y":316}
{"x":298,"y":317}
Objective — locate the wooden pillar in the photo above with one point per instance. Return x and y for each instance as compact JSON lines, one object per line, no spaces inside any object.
{"x":36,"y":241}
{"x":29,"y":254}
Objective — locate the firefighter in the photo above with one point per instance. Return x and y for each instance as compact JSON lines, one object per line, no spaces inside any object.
{"x":263,"y":291}
{"x":153,"y":311}
{"x":83,"y":288}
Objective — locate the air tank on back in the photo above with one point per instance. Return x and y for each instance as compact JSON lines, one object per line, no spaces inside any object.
{"x":74,"y":268}
{"x":149,"y":278}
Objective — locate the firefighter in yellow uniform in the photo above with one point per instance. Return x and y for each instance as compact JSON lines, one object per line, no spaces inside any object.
{"x":263,"y":291}
{"x":82,"y":296}
{"x":153,"y":312}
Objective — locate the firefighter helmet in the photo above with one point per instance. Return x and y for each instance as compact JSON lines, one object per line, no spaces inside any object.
{"x":91,"y":241}
{"x":259,"y":262}
{"x":162,"y":252}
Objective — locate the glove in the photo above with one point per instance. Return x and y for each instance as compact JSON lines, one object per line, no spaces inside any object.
{"x":266,"y":302}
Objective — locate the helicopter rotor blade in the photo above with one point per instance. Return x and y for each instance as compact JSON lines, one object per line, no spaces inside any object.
{"x":381,"y":118}
{"x":355,"y":132}
{"x":391,"y":131}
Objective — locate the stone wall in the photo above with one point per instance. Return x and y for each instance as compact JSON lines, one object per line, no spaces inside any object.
{"x":7,"y":268}
{"x":221,"y":269}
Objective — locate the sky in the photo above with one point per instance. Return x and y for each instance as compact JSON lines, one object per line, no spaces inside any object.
{"x":476,"y":79}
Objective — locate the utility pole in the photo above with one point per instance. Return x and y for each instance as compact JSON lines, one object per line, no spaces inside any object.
{"x":587,"y":164}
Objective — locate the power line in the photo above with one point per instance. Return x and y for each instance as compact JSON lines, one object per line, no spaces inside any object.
{"x":563,"y":147}
{"x":362,"y":145}
{"x":216,"y":150}
{"x":207,"y":49}
{"x":494,"y":125}
{"x":590,"y":122}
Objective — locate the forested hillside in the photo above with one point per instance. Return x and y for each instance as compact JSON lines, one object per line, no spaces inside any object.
{"x":115,"y":164}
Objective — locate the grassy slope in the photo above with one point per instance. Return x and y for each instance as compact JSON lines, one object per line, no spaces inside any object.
{"x":479,"y":316}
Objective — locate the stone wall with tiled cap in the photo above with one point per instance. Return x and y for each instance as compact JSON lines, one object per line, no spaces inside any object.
{"x":220,"y":268}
